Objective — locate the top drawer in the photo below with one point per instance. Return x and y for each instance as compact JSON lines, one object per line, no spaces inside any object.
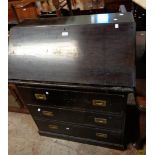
{"x":73,"y":99}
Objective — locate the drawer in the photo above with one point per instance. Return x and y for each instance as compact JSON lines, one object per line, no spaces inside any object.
{"x":80,"y":131}
{"x":73,"y":99}
{"x":80,"y":117}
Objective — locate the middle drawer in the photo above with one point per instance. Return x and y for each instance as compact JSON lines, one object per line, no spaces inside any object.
{"x":80,"y":117}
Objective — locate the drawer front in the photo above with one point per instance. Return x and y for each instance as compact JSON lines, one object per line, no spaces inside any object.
{"x":81,"y":117}
{"x":79,"y":131}
{"x":73,"y":99}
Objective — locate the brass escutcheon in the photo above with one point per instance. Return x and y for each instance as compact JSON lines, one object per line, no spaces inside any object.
{"x":101,"y":103}
{"x":100,"y":120}
{"x":40,"y":96}
{"x":48,"y":113}
{"x":51,"y":126}
{"x":102,"y":135}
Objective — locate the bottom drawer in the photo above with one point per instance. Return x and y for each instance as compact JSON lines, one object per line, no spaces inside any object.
{"x":80,"y":131}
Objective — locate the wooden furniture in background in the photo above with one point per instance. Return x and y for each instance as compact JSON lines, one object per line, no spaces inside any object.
{"x":15,"y":102}
{"x":141,"y":101}
{"x":141,"y":104}
{"x":49,"y":8}
{"x":20,"y":10}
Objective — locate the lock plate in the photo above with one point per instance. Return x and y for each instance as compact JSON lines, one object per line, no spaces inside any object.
{"x":40,"y":96}
{"x":100,"y":120}
{"x":100,"y":103}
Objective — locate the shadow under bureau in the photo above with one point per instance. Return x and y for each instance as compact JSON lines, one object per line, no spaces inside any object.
{"x":75,"y":75}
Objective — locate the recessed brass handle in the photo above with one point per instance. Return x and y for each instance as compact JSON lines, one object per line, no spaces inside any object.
{"x":101,"y":135}
{"x":48,"y":113}
{"x":101,"y":103}
{"x":100,"y":120}
{"x":40,"y":96}
{"x":51,"y":126}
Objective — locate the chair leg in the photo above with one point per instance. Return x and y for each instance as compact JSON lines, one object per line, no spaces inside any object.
{"x":69,"y":6}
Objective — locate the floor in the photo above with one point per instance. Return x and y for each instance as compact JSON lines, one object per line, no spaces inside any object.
{"x":25,"y":140}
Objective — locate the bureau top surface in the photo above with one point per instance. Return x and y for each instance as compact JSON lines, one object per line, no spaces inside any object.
{"x":69,"y":51}
{"x":81,"y":20}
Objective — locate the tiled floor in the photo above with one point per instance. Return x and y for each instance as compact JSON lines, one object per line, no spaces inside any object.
{"x":25,"y":140}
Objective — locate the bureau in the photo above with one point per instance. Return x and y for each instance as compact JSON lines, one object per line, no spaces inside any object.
{"x":75,"y":74}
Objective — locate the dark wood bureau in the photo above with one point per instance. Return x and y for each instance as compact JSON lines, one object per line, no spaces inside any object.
{"x":94,"y":117}
{"x":75,"y":74}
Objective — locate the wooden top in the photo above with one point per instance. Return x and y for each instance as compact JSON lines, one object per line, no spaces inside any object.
{"x":89,"y":54}
{"x":82,"y":20}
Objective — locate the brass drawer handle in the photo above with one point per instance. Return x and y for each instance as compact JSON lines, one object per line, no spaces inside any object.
{"x":101,"y":135}
{"x":101,"y":103}
{"x":51,"y":126}
{"x":40,"y":96}
{"x":100,"y":120}
{"x":48,"y":113}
